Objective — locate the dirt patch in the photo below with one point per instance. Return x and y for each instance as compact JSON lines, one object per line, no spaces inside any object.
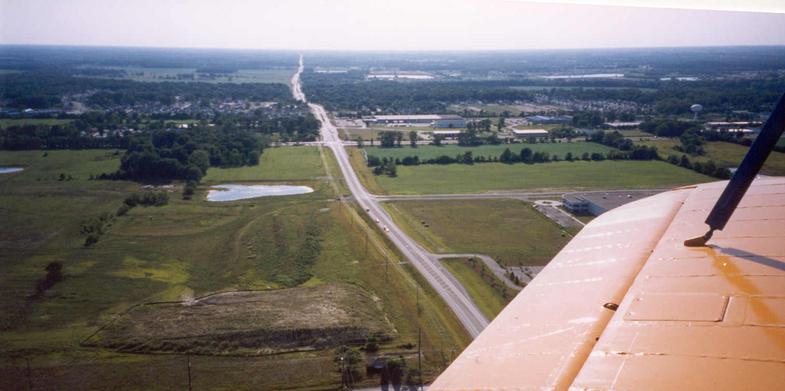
{"x":257,"y":322}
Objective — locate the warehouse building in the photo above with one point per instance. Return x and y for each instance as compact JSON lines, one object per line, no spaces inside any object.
{"x":597,"y":203}
{"x":432,"y":120}
{"x":529,"y":133}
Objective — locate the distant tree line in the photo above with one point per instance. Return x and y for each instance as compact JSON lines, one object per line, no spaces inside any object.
{"x":44,"y":88}
{"x":26,"y":137}
{"x":100,"y":129}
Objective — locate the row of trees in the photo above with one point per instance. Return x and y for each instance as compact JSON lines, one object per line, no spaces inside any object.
{"x":386,"y":165}
{"x":709,"y":167}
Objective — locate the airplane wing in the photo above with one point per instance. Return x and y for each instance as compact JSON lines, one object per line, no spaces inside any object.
{"x":626,"y":306}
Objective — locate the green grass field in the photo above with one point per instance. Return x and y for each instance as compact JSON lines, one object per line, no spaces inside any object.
{"x":490,"y":299}
{"x":510,"y":231}
{"x":489,"y":177}
{"x":6,"y":122}
{"x":724,"y":154}
{"x":276,"y":164}
{"x":182,"y":250}
{"x":430,"y":152}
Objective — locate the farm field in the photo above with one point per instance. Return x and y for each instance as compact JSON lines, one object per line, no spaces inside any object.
{"x":490,"y":177}
{"x":491,"y":299}
{"x":724,"y":154}
{"x":145,"y":74}
{"x":179,"y":252}
{"x":6,"y":122}
{"x":510,"y":231}
{"x":577,"y":148}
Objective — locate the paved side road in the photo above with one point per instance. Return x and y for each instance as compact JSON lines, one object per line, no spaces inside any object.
{"x":436,"y":275}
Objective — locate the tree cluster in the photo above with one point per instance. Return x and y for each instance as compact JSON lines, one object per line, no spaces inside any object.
{"x":166,"y":155}
{"x":618,"y":141}
{"x":668,"y":127}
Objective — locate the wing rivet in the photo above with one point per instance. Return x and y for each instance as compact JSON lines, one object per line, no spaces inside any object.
{"x":611,"y":306}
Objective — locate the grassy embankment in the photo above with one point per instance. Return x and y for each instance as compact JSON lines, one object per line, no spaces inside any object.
{"x":182,"y":250}
{"x":724,"y":154}
{"x":484,"y":288}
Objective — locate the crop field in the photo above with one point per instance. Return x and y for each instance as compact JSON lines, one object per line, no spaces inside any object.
{"x":490,"y":177}
{"x":510,"y":231}
{"x":6,"y":122}
{"x":145,"y":74}
{"x":178,"y":252}
{"x":724,"y":154}
{"x":577,"y":148}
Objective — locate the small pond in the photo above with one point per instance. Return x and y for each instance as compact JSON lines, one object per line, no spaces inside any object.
{"x":10,"y":170}
{"x":228,"y":192}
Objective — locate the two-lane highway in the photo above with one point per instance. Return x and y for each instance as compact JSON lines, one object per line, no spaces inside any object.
{"x":464,"y":308}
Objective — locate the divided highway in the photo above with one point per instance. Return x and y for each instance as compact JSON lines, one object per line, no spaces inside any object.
{"x":430,"y":268}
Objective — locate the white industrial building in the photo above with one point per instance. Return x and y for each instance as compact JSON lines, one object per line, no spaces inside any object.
{"x":529,"y":133}
{"x":432,"y":120}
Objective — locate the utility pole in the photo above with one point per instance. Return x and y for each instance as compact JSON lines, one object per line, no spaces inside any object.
{"x":29,"y":375}
{"x":418,"y":301}
{"x":189,"y":372}
{"x":419,"y":337}
{"x":419,"y":353}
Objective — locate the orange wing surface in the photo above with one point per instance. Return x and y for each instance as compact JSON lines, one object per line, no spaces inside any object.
{"x":626,"y":306}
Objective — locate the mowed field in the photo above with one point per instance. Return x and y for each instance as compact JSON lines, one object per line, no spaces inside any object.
{"x":510,"y":231}
{"x":724,"y":154}
{"x":178,"y":252}
{"x":431,"y":152}
{"x":493,"y":177}
{"x":276,"y":164}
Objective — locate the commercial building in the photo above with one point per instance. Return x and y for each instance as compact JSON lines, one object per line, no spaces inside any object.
{"x":597,"y":203}
{"x":433,"y":120}
{"x":623,"y":125}
{"x":529,"y":133}
{"x":545,"y":119}
{"x":447,"y":134}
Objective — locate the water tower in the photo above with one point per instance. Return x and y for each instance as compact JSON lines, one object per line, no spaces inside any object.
{"x":696,"y":108}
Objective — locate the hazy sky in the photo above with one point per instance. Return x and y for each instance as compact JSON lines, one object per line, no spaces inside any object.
{"x":383,"y":25}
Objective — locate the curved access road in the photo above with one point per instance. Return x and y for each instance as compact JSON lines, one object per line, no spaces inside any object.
{"x":430,"y":268}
